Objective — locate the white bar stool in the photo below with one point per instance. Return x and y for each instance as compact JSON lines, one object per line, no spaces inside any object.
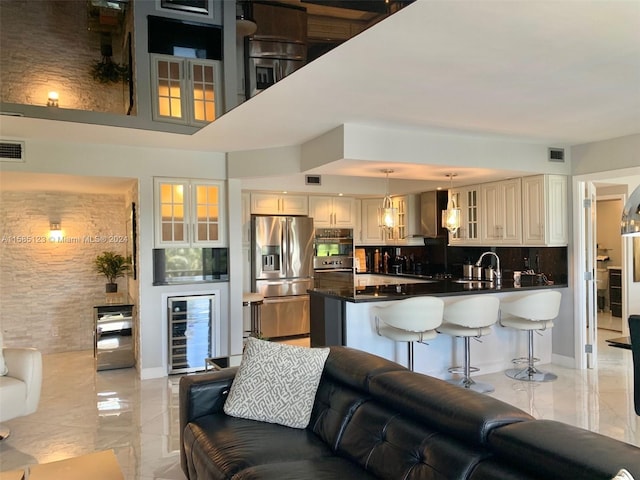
{"x":533,"y":312}
{"x":470,"y":318}
{"x":254,"y":301}
{"x":411,"y":320}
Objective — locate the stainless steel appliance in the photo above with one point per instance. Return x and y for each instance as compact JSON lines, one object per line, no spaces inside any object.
{"x":333,"y":261}
{"x":279,"y":45}
{"x":333,"y":249}
{"x":191,"y":321}
{"x":113,"y":337}
{"x":282,"y":256}
{"x":269,"y":61}
{"x":431,"y":206}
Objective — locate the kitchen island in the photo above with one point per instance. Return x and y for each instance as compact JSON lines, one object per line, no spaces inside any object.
{"x":341,"y":315}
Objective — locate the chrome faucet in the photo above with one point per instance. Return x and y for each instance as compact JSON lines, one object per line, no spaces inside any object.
{"x":498,"y":272}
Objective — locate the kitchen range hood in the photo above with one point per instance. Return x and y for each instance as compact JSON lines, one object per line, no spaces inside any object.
{"x":431,"y":206}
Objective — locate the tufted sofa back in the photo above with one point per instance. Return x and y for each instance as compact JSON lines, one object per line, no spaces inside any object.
{"x":399,"y":424}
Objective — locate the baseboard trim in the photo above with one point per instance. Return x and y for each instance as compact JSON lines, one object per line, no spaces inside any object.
{"x":563,"y":361}
{"x":155,"y":372}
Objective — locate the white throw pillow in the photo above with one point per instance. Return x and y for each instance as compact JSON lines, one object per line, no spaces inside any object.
{"x":276,"y":383}
{"x":3,"y":366}
{"x":623,"y":475}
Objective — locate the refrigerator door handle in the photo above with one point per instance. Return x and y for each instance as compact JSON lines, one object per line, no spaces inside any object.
{"x":284,"y":245}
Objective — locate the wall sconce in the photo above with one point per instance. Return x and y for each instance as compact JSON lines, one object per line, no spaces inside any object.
{"x":451,"y":216}
{"x":630,"y":224}
{"x":387,"y":215}
{"x":55,"y":232}
{"x":52,"y":100}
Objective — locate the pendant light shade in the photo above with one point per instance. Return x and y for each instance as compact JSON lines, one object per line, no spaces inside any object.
{"x":387,"y":215}
{"x":451,"y":216}
{"x":245,"y":24}
{"x":630,"y":224}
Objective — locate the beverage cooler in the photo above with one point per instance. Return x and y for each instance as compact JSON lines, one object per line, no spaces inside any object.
{"x":191,"y":320}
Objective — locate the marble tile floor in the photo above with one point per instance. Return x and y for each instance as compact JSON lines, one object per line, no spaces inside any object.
{"x":83,"y":411}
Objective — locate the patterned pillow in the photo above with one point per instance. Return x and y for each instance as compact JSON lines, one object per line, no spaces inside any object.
{"x":623,"y":475}
{"x":276,"y":383}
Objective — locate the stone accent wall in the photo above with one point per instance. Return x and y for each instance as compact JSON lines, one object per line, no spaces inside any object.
{"x":47,"y":288}
{"x":51,"y":45}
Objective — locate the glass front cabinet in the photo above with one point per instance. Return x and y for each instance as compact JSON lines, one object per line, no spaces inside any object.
{"x":185,"y":90}
{"x":189,"y":213}
{"x":467,"y":200}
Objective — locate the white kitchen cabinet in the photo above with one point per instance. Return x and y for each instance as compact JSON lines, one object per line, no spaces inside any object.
{"x":186,"y":91}
{"x":501,"y":208}
{"x":407,"y":231}
{"x":189,"y":213}
{"x":279,"y":204}
{"x":467,"y":200}
{"x":544,"y":210}
{"x":332,"y":212}
{"x":357,"y":229}
{"x":371,"y":234}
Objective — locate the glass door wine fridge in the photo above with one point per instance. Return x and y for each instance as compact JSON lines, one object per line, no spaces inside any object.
{"x":190,"y":332}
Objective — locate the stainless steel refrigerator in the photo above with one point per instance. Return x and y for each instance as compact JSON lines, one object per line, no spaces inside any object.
{"x":282,"y":271}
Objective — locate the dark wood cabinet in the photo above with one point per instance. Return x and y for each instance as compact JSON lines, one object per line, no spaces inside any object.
{"x":615,"y":291}
{"x":283,"y":22}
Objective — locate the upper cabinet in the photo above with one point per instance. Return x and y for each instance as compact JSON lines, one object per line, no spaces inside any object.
{"x":189,"y":213}
{"x":407,"y":231}
{"x":279,"y":204}
{"x":186,"y":91}
{"x":467,"y":199}
{"x":544,"y":210}
{"x":501,"y":212}
{"x":370,"y":232}
{"x":337,"y":212}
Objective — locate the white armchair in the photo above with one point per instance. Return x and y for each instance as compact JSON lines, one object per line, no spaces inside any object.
{"x":20,"y":387}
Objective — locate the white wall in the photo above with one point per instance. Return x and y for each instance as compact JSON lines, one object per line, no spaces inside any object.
{"x":141,"y":164}
{"x":616,"y":162}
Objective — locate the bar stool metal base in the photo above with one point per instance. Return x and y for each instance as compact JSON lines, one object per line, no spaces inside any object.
{"x":4,"y":432}
{"x":530,"y":374}
{"x":479,"y":387}
{"x":466,"y":381}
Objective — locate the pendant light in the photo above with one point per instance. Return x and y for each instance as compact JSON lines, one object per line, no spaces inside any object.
{"x":451,"y":216}
{"x":387,"y":215}
{"x":630,"y":224}
{"x":245,"y":24}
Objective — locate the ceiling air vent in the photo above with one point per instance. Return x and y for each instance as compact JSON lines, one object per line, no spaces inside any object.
{"x":313,"y":180}
{"x":11,"y":151}
{"x":556,"y":154}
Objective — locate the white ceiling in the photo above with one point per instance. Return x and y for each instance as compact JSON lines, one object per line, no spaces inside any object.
{"x":556,"y":73}
{"x":550,"y":72}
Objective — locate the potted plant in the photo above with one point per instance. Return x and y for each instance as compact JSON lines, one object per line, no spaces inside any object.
{"x":112,"y":265}
{"x":108,"y":71}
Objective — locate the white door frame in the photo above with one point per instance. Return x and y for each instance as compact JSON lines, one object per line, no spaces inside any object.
{"x":623,"y":177}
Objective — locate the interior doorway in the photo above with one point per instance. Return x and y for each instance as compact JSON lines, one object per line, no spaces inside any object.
{"x":609,"y":265}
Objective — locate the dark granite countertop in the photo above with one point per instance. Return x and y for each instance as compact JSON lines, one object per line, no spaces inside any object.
{"x":433,"y":286}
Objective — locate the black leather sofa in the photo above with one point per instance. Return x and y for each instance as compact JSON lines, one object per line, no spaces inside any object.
{"x":375,"y":419}
{"x":634,"y":335}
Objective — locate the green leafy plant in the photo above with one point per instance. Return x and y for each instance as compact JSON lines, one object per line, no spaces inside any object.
{"x":112,"y":265}
{"x":107,"y":71}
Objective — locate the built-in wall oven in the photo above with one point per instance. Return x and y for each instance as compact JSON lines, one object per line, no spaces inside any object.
{"x":333,"y":260}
